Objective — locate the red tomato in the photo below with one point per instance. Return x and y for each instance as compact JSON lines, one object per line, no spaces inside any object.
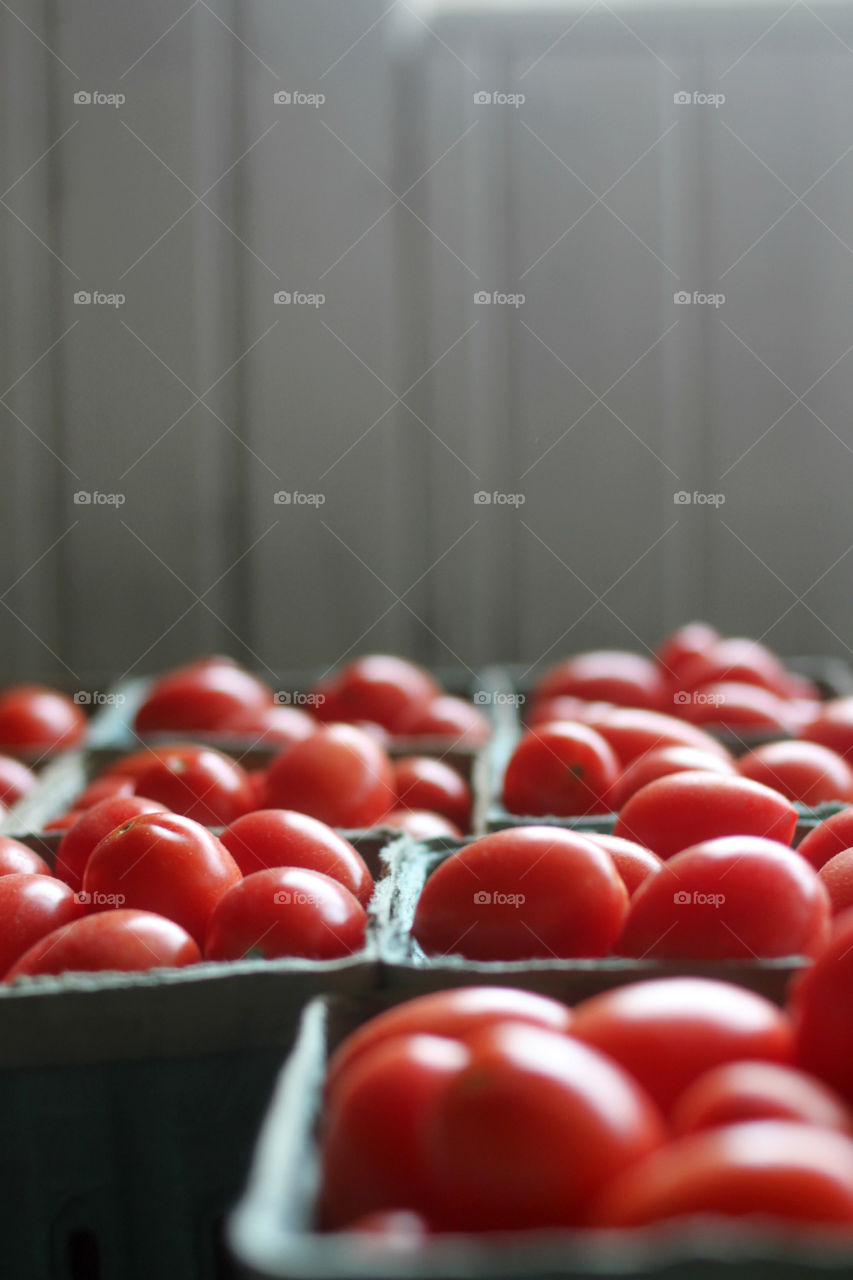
{"x":668,"y":1031}
{"x":568,"y":708}
{"x":634,"y":863}
{"x":117,"y":940}
{"x":389,"y":691}
{"x":134,"y":764}
{"x":203,"y":695}
{"x":770,"y":1168}
{"x":663,"y":761}
{"x":450,"y":718}
{"x":801,"y":771}
{"x":685,"y":643}
{"x":339,"y":775}
{"x":828,"y":838}
{"x":376,"y":1126}
{"x":529,"y":1132}
{"x":102,"y":789}
{"x":163,"y":863}
{"x":257,"y":780}
{"x":606,"y":675}
{"x":521,"y":893}
{"x":821,"y":1001}
{"x":37,"y":721}
{"x":456,"y":1014}
{"x":285,"y":911}
{"x":198,"y":783}
{"x":284,"y":838}
{"x":560,"y":769}
{"x":702,"y":905}
{"x":837,"y":878}
{"x":732,"y":707}
{"x":742,"y":1091}
{"x":16,"y":780}
{"x":64,"y":821}
{"x":423,"y":783}
{"x":685,"y":808}
{"x":272,"y":726}
{"x":742,"y":661}
{"x":420,"y":824}
{"x":832,"y":727}
{"x":30,"y":907}
{"x":631,"y":733}
{"x":19,"y":859}
{"x":90,"y":828}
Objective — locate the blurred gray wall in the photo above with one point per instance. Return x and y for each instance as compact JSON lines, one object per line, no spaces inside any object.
{"x":581,"y":410}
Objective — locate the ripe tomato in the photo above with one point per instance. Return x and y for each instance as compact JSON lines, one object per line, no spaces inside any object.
{"x":203,"y":695}
{"x":423,"y":783}
{"x":661,"y":762}
{"x":801,"y":771}
{"x":163,"y":863}
{"x":37,"y":721}
{"x":529,"y":1132}
{"x":339,"y":775}
{"x":743,"y":661}
{"x":285,"y":911}
{"x":828,"y":838}
{"x":30,"y":907}
{"x":196,"y":782}
{"x":20,"y":859}
{"x":376,"y":1124}
{"x":606,"y":675}
{"x":559,"y":769}
{"x":832,"y":727}
{"x":821,"y":1002}
{"x":569,"y":708}
{"x":457,"y":1014}
{"x":742,"y":1091}
{"x":668,"y":1031}
{"x":16,"y":780}
{"x":634,"y":863}
{"x":631,"y":733}
{"x":521,"y":893}
{"x":389,"y":691}
{"x":702,"y":905}
{"x":272,"y":726}
{"x":685,"y":808}
{"x":685,"y":643}
{"x":837,"y":878}
{"x":284,"y":838}
{"x":102,"y":789}
{"x":90,"y":828}
{"x":452,"y":719}
{"x":420,"y":824}
{"x":734,"y":707}
{"x":117,"y":940}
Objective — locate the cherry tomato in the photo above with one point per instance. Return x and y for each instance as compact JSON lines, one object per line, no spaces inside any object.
{"x":569,"y":708}
{"x":766,"y":1169}
{"x":634,"y":863}
{"x":832,"y":727}
{"x":733,"y":707}
{"x":821,"y":1001}
{"x":202,"y":696}
{"x":90,"y":828}
{"x":37,"y":721}
{"x":452,"y":719}
{"x":631,"y":733}
{"x":163,"y":863}
{"x":521,"y":893}
{"x":20,"y":859}
{"x":661,"y":762}
{"x":16,"y":780}
{"x":742,"y":661}
{"x":685,"y":808}
{"x":423,"y":783}
{"x":828,"y":838}
{"x":607,"y":675}
{"x":529,"y":1132}
{"x":420,"y":824}
{"x":837,"y":878}
{"x":376,"y":1125}
{"x":102,"y":789}
{"x":339,"y":775}
{"x":668,"y":1031}
{"x":801,"y":771}
{"x":702,"y":905}
{"x":685,"y":643}
{"x":274,"y":726}
{"x":740,"y":1091}
{"x":198,"y":783}
{"x":559,"y":769}
{"x":117,"y":940}
{"x":285,"y":911}
{"x":284,"y":838}
{"x":30,"y":907}
{"x":389,"y":691}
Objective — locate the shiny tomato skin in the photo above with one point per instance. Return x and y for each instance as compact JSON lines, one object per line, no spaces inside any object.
{"x":702,"y":905}
{"x":285,"y":911}
{"x":423,"y":783}
{"x":765,"y":1169}
{"x":832,"y":727}
{"x":123,"y":941}
{"x":837,"y":878}
{"x":421,"y":824}
{"x":339,"y":775}
{"x":19,"y":859}
{"x":668,"y":1031}
{"x":90,"y":828}
{"x":734,"y":707}
{"x":566,"y":707}
{"x":528,"y":1134}
{"x":387,"y":690}
{"x":166,"y":864}
{"x":198,"y":783}
{"x":632,"y":732}
{"x":821,"y":1003}
{"x":31,"y":906}
{"x":606,"y":675}
{"x":739,"y":660}
{"x":686,"y":808}
{"x":451,"y":719}
{"x":634,"y":863}
{"x":684,"y":643}
{"x":802,"y":771}
{"x":274,"y":726}
{"x":738,"y":1092}
{"x":103,"y":788}
{"x":284,"y":838}
{"x":521,"y":893}
{"x":662,"y":761}
{"x":201,"y":696}
{"x":456,"y":1014}
{"x":560,"y":769}
{"x":832,"y":836}
{"x":16,"y":780}
{"x":38,"y":721}
{"x":376,"y":1126}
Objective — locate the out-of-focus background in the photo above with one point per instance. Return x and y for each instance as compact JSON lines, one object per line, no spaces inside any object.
{"x":286,"y":216}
